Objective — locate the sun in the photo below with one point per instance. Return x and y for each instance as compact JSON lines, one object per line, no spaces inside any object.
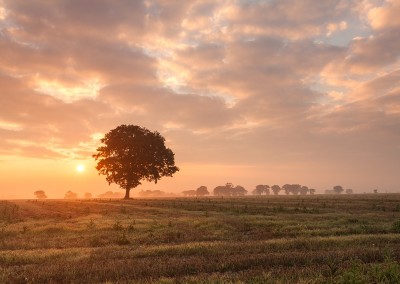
{"x":80,"y":168}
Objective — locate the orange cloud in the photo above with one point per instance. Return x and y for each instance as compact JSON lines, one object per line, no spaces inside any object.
{"x":386,"y":16}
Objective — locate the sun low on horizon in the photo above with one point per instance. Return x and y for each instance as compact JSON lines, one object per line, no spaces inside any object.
{"x":200,"y":141}
{"x":80,"y":168}
{"x":246,"y":92}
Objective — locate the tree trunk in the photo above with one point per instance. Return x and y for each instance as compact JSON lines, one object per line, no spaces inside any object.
{"x":127,"y":190}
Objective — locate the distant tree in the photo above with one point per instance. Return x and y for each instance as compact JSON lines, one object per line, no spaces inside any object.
{"x":260,"y":189}
{"x":239,"y":191}
{"x":152,"y":193}
{"x":275,"y":189}
{"x":295,"y":189}
{"x":70,"y":195}
{"x":130,"y":154}
{"x":292,"y":188}
{"x":87,"y":195}
{"x":312,"y":191}
{"x":229,"y":190}
{"x":189,"y":192}
{"x":266,"y":187}
{"x":349,"y":191}
{"x":221,"y":191}
{"x":286,"y":188}
{"x":229,"y":185}
{"x":304,"y":190}
{"x":40,"y":194}
{"x":338,"y":189}
{"x":110,"y":194}
{"x":202,"y":191}
{"x":375,"y":191}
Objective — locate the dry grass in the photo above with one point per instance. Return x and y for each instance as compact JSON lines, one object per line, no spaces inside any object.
{"x":276,"y":239}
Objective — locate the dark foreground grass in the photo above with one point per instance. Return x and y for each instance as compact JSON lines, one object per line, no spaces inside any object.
{"x":276,"y":239}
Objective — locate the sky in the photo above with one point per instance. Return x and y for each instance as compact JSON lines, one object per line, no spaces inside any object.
{"x":244,"y":91}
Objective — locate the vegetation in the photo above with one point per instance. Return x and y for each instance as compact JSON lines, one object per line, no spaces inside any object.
{"x":110,"y":194}
{"x":201,"y":191}
{"x":87,"y":195}
{"x":40,"y":194}
{"x":132,"y":153}
{"x":154,"y":193}
{"x":263,"y":239}
{"x":230,"y":190}
{"x":70,"y":195}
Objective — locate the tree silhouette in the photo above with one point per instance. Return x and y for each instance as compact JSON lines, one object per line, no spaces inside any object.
{"x":87,"y":195}
{"x":338,"y":189}
{"x":221,"y":191}
{"x":202,"y":191}
{"x":286,"y":188}
{"x":275,"y":189}
{"x":40,"y":194}
{"x":295,"y":189}
{"x":130,"y":154}
{"x":152,"y":193}
{"x":189,"y":192}
{"x":230,"y":190}
{"x":349,"y":191}
{"x":70,"y":195}
{"x":239,"y":191}
{"x":260,"y":189}
{"x":304,"y":190}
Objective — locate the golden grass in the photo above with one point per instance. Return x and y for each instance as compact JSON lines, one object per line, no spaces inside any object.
{"x":276,"y":239}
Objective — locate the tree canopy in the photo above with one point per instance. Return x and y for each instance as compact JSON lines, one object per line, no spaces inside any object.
{"x":202,"y":191}
{"x":40,"y":194}
{"x":131,"y":154}
{"x":230,"y":190}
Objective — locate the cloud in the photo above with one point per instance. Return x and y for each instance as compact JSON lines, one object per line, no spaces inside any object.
{"x":246,"y":82}
{"x":386,"y":16}
{"x":34,"y":120}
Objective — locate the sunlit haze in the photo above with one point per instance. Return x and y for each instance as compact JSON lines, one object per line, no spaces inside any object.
{"x":244,"y":91}
{"x":80,"y":168}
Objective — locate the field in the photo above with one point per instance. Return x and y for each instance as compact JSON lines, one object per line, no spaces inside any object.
{"x":269,"y":239}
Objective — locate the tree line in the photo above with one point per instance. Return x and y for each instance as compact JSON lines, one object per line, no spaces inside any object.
{"x":230,"y":190}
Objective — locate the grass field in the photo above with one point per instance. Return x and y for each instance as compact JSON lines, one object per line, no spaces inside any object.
{"x":274,"y":239}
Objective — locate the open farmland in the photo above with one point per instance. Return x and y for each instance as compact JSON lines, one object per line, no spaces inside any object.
{"x":269,"y":239}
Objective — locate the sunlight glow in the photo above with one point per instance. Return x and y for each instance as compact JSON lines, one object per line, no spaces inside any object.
{"x":88,"y":89}
{"x":80,"y":168}
{"x":10,"y":126}
{"x":3,"y":13}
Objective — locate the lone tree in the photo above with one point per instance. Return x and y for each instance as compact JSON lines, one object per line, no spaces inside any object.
{"x":130,"y":154}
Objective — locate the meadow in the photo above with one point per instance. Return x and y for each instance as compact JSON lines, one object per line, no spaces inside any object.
{"x":268,"y":239}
